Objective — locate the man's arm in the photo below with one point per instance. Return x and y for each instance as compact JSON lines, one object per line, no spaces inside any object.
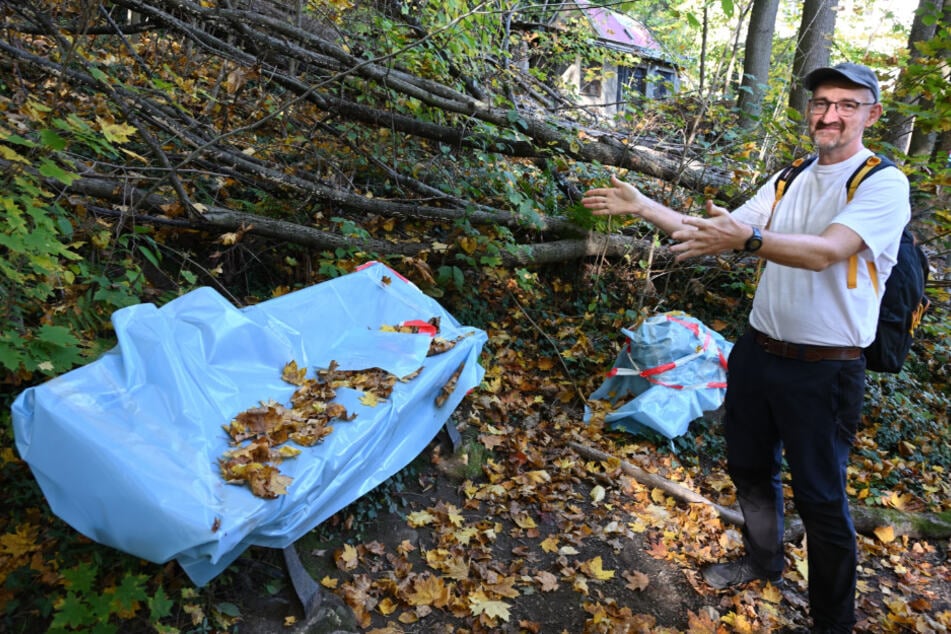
{"x":721,"y":232}
{"x":625,"y":199}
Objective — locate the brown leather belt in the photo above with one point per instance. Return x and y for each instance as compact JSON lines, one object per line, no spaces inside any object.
{"x":805,"y":352}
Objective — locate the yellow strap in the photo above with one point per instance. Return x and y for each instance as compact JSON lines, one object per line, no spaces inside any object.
{"x":860,"y":175}
{"x":873,"y":273}
{"x":852,"y":278}
{"x":781,"y":187}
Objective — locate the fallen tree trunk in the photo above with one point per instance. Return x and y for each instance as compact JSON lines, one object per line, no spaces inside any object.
{"x":866,"y":519}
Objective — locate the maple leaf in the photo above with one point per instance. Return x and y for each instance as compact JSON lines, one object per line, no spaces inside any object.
{"x":524,"y":520}
{"x":294,"y":375}
{"x":636,"y":580}
{"x":550,"y":544}
{"x":369,"y":399}
{"x":547,"y":581}
{"x":116,"y":132}
{"x":456,"y":567}
{"x":594,"y":569}
{"x":420,"y":518}
{"x":481,"y":605}
{"x":885,"y":534}
{"x":703,"y":623}
{"x":20,"y":543}
{"x":429,"y":590}
{"x":347,"y":558}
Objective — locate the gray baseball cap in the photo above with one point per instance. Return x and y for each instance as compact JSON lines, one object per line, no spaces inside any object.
{"x":852,"y":73}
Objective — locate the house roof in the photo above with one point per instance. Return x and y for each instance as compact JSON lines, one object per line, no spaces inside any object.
{"x":618,"y":28}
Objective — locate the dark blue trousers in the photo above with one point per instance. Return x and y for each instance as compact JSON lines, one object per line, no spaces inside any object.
{"x":810,"y":411}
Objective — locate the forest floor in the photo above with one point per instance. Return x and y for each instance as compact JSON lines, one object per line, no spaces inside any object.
{"x":550,"y":542}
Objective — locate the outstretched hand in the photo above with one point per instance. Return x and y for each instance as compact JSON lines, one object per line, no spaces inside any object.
{"x":620,"y":198}
{"x":715,"y":234}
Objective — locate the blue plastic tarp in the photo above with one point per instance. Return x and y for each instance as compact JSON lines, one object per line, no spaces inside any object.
{"x":670,"y":371}
{"x":126,"y":448}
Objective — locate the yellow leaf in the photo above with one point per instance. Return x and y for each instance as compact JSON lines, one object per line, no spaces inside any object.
{"x":12,"y":155}
{"x":387,"y":606}
{"x":347,"y":558}
{"x":885,"y":534}
{"x":595,"y":570}
{"x":657,"y":495}
{"x":369,"y":399}
{"x":420,"y":518}
{"x":20,"y":543}
{"x":465,"y":535}
{"x":454,"y":516}
{"x":116,"y":132}
{"x":523,"y":520}
{"x":550,"y":544}
{"x":480,"y":604}
{"x":429,"y":590}
{"x":772,"y":594}
{"x":469,"y":245}
{"x":329,"y":582}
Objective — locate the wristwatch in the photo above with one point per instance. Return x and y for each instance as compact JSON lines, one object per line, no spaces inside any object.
{"x":754,"y":242}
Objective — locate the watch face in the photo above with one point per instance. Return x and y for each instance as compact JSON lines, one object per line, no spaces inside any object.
{"x":755,"y":241}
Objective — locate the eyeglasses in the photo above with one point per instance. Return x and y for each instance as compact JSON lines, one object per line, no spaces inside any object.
{"x":845,"y":107}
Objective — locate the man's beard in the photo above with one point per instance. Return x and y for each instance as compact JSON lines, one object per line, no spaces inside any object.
{"x":823,"y":142}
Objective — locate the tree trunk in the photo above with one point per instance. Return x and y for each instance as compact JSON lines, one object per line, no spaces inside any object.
{"x":812,"y":46}
{"x":900,"y":126}
{"x":756,"y":61}
{"x":923,"y":140}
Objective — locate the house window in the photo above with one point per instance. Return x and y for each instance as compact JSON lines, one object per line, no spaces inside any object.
{"x":591,"y":82}
{"x":631,"y":82}
{"x":664,"y":80}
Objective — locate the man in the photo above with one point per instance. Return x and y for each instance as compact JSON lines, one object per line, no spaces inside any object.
{"x":797,"y":376}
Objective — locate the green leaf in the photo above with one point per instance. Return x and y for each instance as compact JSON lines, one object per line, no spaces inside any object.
{"x":79,"y":579}
{"x":98,"y":74}
{"x":50,"y":169}
{"x":160,"y":605}
{"x":10,"y":356}
{"x":727,"y":7}
{"x":228,"y":609}
{"x":52,"y":139}
{"x":16,"y":139}
{"x":130,"y":592}
{"x":71,"y":613}
{"x":59,"y":336}
{"x":149,"y":255}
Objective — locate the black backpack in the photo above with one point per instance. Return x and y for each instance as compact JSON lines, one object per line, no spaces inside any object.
{"x":904,"y":301}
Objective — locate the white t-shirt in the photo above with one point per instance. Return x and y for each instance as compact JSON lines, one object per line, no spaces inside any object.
{"x":818,"y":308}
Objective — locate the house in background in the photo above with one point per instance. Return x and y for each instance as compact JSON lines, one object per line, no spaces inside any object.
{"x":646,"y":73}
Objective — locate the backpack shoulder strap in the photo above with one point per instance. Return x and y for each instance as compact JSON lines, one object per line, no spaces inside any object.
{"x":789,"y":174}
{"x":871,"y":165}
